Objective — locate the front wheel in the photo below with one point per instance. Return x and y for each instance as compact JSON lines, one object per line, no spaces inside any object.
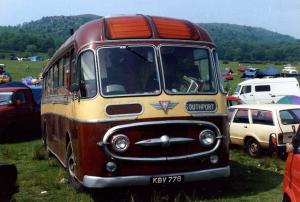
{"x":253,"y":147}
{"x":71,"y":168}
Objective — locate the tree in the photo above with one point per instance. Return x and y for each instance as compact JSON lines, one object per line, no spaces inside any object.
{"x":51,"y":52}
{"x":31,"y":49}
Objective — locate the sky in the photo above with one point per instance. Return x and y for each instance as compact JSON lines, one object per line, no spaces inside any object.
{"x":282,"y":16}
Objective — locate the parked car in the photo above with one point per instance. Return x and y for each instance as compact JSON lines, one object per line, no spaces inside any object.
{"x":228,"y":77}
{"x":264,"y":126}
{"x":18,"y":110}
{"x":289,"y":71}
{"x":231,"y":101}
{"x":268,"y":90}
{"x":8,"y":182}
{"x":291,"y":180}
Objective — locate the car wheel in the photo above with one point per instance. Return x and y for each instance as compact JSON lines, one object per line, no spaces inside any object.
{"x":285,"y":198}
{"x":71,"y":169}
{"x":253,"y":148}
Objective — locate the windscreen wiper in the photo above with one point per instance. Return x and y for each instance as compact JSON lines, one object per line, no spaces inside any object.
{"x":136,"y":53}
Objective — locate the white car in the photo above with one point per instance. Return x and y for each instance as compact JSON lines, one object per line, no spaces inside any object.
{"x":263,"y":126}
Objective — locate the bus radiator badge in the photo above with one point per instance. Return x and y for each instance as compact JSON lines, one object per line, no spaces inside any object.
{"x":164,"y":105}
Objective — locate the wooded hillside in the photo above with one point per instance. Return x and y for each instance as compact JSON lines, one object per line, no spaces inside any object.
{"x":234,"y":42}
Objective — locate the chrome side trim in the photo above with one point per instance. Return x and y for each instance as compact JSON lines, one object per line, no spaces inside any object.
{"x":102,"y":182}
{"x":112,"y":130}
{"x":56,"y":156}
{"x":160,"y":141}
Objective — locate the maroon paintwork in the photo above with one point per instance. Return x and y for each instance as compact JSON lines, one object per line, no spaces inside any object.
{"x":91,"y":159}
{"x":17,"y":116}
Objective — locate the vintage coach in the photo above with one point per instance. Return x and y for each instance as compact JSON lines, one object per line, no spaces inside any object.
{"x":136,"y":100}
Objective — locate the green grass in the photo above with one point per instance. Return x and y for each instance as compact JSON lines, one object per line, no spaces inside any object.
{"x":36,"y":175}
{"x":251,"y":180}
{"x":19,"y":69}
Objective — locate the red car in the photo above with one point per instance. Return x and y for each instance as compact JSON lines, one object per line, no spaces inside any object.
{"x":291,"y":181}
{"x":231,"y":100}
{"x":241,"y":69}
{"x":229,"y":77}
{"x":18,"y":111}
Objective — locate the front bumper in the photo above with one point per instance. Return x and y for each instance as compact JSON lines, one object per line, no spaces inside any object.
{"x":103,"y":182}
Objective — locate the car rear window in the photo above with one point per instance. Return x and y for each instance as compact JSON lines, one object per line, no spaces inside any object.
{"x":290,"y":116}
{"x":263,"y":117}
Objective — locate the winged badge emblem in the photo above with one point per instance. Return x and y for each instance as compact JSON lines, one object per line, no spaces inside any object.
{"x":164,"y":105}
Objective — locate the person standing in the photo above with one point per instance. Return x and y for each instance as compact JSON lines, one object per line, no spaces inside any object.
{"x":4,"y":73}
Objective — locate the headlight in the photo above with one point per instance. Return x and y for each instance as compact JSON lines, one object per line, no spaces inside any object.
{"x":120,"y":142}
{"x":207,"y":137}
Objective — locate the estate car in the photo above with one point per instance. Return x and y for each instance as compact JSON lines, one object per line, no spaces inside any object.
{"x":264,"y":126}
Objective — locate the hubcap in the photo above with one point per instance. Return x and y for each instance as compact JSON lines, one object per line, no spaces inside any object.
{"x":71,"y":163}
{"x":253,"y":147}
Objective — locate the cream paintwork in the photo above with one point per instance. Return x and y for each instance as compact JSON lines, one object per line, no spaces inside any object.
{"x":239,"y":131}
{"x":93,"y":109}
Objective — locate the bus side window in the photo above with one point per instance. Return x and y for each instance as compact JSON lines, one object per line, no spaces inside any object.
{"x":86,"y":67}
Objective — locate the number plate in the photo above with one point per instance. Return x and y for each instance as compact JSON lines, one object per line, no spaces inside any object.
{"x":167,"y":179}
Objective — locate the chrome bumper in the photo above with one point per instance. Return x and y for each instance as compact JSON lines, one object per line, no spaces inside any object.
{"x":102,"y":182}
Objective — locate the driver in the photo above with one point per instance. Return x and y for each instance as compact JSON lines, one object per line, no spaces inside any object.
{"x":185,"y":74}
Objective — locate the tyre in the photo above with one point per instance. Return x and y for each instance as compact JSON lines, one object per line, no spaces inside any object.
{"x":71,"y":169}
{"x":285,"y":198}
{"x":253,"y":147}
{"x":44,"y":137}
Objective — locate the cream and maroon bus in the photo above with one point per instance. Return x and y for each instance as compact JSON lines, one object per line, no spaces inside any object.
{"x":136,"y":100}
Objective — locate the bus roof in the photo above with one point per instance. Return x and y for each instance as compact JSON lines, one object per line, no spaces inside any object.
{"x":129,"y":27}
{"x":139,"y":27}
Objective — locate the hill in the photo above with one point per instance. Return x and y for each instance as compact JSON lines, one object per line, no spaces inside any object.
{"x":244,"y":43}
{"x":43,"y":35}
{"x":240,"y":33}
{"x":57,"y":27}
{"x":234,"y":42}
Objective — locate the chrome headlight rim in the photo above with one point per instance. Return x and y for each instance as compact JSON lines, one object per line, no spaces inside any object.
{"x":117,"y":141}
{"x":207,"y":137}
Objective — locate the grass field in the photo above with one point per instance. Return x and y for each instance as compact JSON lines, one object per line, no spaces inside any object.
{"x":21,"y":69}
{"x":43,"y":179}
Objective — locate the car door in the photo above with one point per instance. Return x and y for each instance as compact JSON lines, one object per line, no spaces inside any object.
{"x":263,"y":125}
{"x":239,"y":126}
{"x":7,"y":110}
{"x":23,"y":108}
{"x":247,"y":94}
